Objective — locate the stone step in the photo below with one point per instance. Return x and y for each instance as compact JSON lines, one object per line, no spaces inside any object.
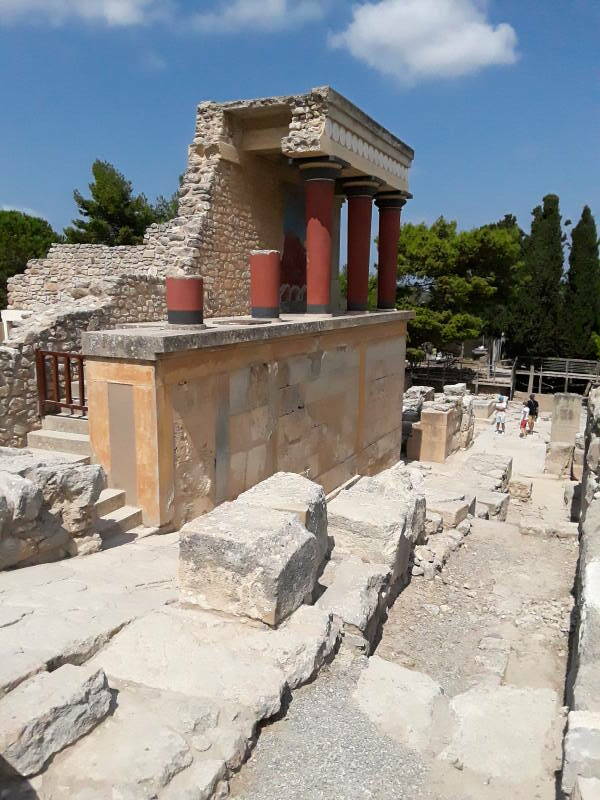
{"x":65,"y":423}
{"x":59,"y":442}
{"x":122,"y":520}
{"x":66,"y":457}
{"x":110,"y":500}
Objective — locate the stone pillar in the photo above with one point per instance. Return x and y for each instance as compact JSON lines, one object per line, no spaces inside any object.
{"x":360,"y":193}
{"x":390,"y":205}
{"x":320,"y":177}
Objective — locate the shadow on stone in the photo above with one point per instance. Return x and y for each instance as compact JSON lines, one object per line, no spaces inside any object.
{"x":13,"y":786}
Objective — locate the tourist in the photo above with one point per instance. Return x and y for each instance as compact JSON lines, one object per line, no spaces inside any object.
{"x":524,"y":417}
{"x":534,"y":409}
{"x":501,"y":414}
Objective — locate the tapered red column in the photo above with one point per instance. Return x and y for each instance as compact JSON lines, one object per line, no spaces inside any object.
{"x":360,"y":193}
{"x":390,"y":205}
{"x":320,"y":180}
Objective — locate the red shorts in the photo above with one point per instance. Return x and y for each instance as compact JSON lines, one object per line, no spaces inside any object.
{"x":523,"y":424}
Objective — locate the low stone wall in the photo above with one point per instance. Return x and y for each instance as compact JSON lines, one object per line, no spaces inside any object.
{"x":47,"y":508}
{"x":126,"y":299}
{"x":446,"y":424}
{"x":582,"y":743}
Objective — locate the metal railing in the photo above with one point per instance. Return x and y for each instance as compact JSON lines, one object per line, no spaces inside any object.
{"x":60,"y":382}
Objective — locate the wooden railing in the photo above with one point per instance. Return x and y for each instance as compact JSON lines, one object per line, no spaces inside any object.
{"x":60,"y":382}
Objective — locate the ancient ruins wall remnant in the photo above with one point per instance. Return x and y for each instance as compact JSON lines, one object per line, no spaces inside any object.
{"x":233,"y":199}
{"x":117,"y":301}
{"x":446,"y":425}
{"x":47,"y":508}
{"x":582,"y":743}
{"x":215,"y":412}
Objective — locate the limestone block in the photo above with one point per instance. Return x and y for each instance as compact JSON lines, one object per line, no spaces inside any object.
{"x":48,"y":712}
{"x":287,"y":491}
{"x":483,"y":408}
{"x":559,"y":459}
{"x":586,"y":789}
{"x":582,"y":748}
{"x":492,"y":466}
{"x":505,"y":733}
{"x":520,"y":489}
{"x":455,"y":389}
{"x":577,"y":468}
{"x":372,"y":527}
{"x":496,"y":502}
{"x":406,"y":705}
{"x":357,"y":594}
{"x":452,"y":512}
{"x":433,"y":523}
{"x":251,"y":561}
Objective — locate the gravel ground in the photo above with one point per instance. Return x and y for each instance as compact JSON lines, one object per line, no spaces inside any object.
{"x":326,"y":749}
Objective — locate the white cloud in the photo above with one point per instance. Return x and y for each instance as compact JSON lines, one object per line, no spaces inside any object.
{"x":414,"y":40}
{"x":263,"y":15}
{"x":110,"y":12}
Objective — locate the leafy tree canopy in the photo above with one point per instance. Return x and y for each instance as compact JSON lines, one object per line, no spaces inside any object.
{"x":458,"y":282}
{"x":113,"y":215}
{"x":21,"y":237}
{"x":582,"y":292}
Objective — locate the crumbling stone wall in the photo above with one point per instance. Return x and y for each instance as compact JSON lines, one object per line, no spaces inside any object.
{"x":229,"y":204}
{"x":47,"y":508}
{"x":583,"y":735}
{"x":123,"y":300}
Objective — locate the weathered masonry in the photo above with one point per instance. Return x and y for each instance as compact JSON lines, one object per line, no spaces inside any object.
{"x":185,"y":420}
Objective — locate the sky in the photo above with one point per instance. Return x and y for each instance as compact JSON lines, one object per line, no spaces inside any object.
{"x":500,"y":99}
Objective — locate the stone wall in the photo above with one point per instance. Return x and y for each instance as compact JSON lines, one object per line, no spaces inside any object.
{"x":445,"y":423}
{"x":582,"y":743}
{"x":59,"y":327}
{"x":211,"y":422}
{"x":230,"y":202}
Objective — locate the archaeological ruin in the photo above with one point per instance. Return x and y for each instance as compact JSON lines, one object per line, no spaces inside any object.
{"x":239,"y":556}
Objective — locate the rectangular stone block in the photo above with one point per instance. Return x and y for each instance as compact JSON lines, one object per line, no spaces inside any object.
{"x":566,"y":417}
{"x":286,"y":491}
{"x":520,"y":489}
{"x":452,"y":512}
{"x":581,"y":749}
{"x":250,"y":561}
{"x":496,"y":503}
{"x":483,"y":408}
{"x":48,"y":712}
{"x":559,"y":459}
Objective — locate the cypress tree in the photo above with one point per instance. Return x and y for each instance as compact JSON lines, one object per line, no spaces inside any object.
{"x":582,"y":295}
{"x":539,"y":331}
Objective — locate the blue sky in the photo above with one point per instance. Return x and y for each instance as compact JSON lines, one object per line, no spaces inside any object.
{"x":499,"y":99}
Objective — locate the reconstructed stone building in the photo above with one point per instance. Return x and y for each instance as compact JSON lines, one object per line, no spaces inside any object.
{"x":184,"y":420}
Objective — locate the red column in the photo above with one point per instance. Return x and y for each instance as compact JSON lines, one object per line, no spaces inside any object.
{"x":320,"y":188}
{"x":389,"y":206}
{"x":360,"y":202}
{"x":265,"y":280}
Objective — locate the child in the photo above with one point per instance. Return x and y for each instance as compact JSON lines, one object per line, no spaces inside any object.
{"x":501,"y":414}
{"x":524,"y":418}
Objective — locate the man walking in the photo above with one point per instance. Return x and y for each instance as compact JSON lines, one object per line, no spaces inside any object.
{"x":534,"y":409}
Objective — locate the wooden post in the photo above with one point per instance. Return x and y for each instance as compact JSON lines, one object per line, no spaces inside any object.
{"x":540,"y":384}
{"x":40,"y":369}
{"x":531,"y":375}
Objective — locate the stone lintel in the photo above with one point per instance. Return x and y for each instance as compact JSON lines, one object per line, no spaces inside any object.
{"x":149,"y":342}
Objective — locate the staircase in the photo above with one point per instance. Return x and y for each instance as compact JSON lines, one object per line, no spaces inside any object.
{"x":68,"y":434}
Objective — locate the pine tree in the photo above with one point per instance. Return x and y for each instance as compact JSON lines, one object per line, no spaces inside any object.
{"x":538,"y":329}
{"x":21,"y":237}
{"x":582,"y":295}
{"x":112,"y":215}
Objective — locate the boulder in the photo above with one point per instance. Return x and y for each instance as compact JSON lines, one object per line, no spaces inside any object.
{"x":520,"y":489}
{"x":251,"y":561}
{"x":495,"y":466}
{"x":408,"y":706}
{"x":455,"y":389}
{"x":23,"y":498}
{"x":48,"y":712}
{"x":452,"y":512}
{"x":496,"y":503}
{"x":286,"y":491}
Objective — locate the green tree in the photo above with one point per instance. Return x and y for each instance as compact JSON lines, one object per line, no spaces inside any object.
{"x":536,"y":329}
{"x":21,"y":237}
{"x":113,"y":215}
{"x":582,"y":293}
{"x":455,"y":280}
